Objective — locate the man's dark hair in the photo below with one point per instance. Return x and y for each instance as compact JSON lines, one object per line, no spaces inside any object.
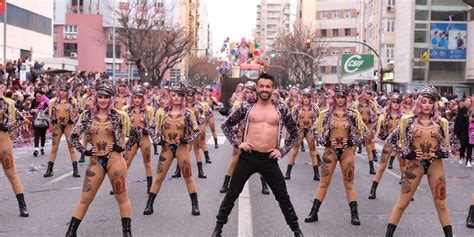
{"x":266,"y":76}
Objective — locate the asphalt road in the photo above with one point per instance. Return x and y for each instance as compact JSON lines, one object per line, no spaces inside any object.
{"x":51,"y":201}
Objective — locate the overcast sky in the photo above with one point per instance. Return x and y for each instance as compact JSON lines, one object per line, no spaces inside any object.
{"x":231,"y":18}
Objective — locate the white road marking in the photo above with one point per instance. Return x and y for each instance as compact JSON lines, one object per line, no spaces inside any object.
{"x":245,"y":213}
{"x":220,"y":140}
{"x":59,"y":178}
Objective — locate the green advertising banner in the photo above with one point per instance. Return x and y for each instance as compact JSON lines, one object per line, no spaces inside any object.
{"x":356,"y":63}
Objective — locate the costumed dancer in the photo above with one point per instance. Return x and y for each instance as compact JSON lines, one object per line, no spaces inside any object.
{"x":206,"y":115}
{"x":211,"y":102}
{"x":369,"y":112}
{"x":260,"y":150}
{"x":155,"y":103}
{"x":63,"y":113}
{"x":141,"y":117}
{"x":198,"y":110}
{"x":87,"y":102}
{"x":386,"y":123}
{"x":339,"y":129}
{"x":249,"y":95}
{"x":105,"y":128}
{"x":176,"y":127}
{"x":304,"y":113}
{"x":122,"y":94}
{"x":10,"y":119}
{"x":423,"y":139}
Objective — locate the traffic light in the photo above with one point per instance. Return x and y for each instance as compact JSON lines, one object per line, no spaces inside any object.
{"x":308,"y":43}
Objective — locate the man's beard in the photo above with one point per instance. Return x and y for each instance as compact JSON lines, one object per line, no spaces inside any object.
{"x":260,"y":96}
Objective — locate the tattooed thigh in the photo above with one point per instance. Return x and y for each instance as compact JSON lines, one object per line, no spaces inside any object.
{"x":118,"y":182}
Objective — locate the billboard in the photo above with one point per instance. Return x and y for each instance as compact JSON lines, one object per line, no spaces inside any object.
{"x":448,"y":41}
{"x":357,"y":66}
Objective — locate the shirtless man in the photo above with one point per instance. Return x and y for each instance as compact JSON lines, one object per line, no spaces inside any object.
{"x":260,"y":150}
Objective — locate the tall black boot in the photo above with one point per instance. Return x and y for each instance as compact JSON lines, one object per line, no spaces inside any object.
{"x":359,"y":149}
{"x":201,"y":171}
{"x":177,"y":172}
{"x":374,"y":153}
{"x":149,"y":182}
{"x":390,"y":230}
{"x":194,"y":204}
{"x":225,"y":185}
{"x":373,"y":190}
{"x":49,"y":170}
{"x":73,"y":225}
{"x":470,"y":217}
{"x":448,"y":231}
{"x":22,"y":205}
{"x":371,"y":167}
{"x":302,"y":146}
{"x":216,"y":145}
{"x":75,"y":170}
{"x":149,"y":204}
{"x":82,"y":159}
{"x":288,"y":172}
{"x":354,"y":213}
{"x":313,"y":214}
{"x":155,"y":149}
{"x":207,"y":158}
{"x":264,"y":186}
{"x":127,"y":227}
{"x":217,"y":231}
{"x":390,"y":163}
{"x":316,"y":172}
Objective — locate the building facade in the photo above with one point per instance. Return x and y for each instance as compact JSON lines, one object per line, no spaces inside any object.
{"x":335,"y":21}
{"x":27,"y":20}
{"x":273,"y":18}
{"x":432,"y":45}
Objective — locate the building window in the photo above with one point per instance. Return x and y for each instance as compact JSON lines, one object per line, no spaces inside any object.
{"x":347,"y":13}
{"x":335,"y":14}
{"x":55,"y":48}
{"x":322,"y":69}
{"x":420,"y":36}
{"x":390,"y":26}
{"x":324,"y":33}
{"x":335,"y":52}
{"x":335,"y":32}
{"x":388,"y":51}
{"x":70,"y":31}
{"x":347,"y":32}
{"x":333,"y":69}
{"x":70,"y":48}
{"x":324,"y":53}
{"x":324,"y":15}
{"x":347,"y":51}
{"x":110,"y":67}
{"x":390,"y":3}
{"x":109,"y":51}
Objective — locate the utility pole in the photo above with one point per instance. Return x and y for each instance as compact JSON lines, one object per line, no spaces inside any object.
{"x":113,"y":44}
{"x":5,"y":35}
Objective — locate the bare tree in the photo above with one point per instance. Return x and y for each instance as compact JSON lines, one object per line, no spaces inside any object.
{"x":152,"y":46}
{"x":202,"y":71}
{"x":301,"y":68}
